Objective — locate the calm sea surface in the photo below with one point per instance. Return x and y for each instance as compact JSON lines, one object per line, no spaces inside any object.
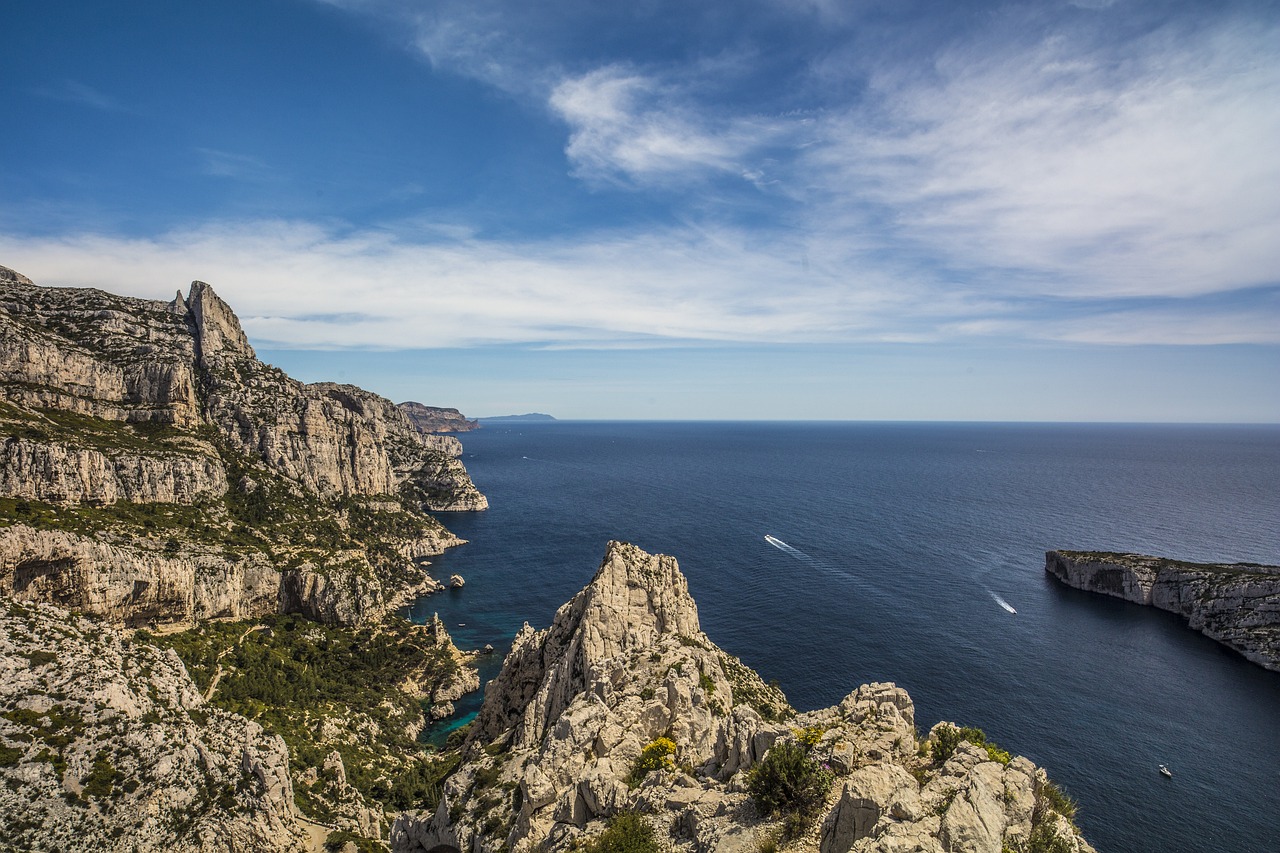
{"x":900,"y":538}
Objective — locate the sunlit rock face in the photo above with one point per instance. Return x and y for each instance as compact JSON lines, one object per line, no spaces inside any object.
{"x":553,"y":754}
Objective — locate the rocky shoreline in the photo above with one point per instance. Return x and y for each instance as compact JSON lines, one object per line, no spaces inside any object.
{"x":1237,"y":604}
{"x":624,"y":707}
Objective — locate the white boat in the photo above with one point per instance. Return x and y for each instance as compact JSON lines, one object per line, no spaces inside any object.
{"x":1165,"y":771}
{"x":773,"y":540}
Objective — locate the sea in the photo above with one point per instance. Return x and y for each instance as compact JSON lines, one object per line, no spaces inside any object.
{"x":900,"y":552}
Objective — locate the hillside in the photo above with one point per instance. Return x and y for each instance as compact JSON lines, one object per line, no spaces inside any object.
{"x":153,"y":470}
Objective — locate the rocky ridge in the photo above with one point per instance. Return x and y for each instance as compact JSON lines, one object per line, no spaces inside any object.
{"x":1237,"y":604}
{"x":106,"y":744}
{"x":624,"y":706}
{"x":432,"y":419}
{"x":170,"y":460}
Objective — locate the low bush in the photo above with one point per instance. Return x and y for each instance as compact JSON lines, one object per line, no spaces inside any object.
{"x":789,"y":781}
{"x":626,"y":833}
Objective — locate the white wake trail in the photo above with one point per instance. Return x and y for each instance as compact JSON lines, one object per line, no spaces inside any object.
{"x":1006,"y":605}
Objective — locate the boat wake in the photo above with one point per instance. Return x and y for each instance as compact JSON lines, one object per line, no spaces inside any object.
{"x":865,"y":586}
{"x":1006,"y":605}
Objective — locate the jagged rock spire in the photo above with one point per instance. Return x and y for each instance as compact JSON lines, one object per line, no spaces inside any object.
{"x":634,"y":600}
{"x":218,"y":332}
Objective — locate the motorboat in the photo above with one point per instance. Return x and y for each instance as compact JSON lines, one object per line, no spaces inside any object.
{"x":1166,"y":772}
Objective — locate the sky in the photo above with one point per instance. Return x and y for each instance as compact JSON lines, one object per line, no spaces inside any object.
{"x":706,"y":209}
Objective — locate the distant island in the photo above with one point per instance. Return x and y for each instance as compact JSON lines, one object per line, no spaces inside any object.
{"x":531,"y":416}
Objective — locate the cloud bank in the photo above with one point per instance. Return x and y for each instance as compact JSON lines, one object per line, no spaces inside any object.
{"x":1088,"y":172}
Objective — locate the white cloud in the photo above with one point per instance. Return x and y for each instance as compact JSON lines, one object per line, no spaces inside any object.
{"x":1058,"y":169}
{"x":297,"y":285}
{"x":624,"y":124}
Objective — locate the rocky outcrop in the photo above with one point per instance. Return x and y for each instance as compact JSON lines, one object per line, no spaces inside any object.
{"x":432,"y":419}
{"x":136,"y":586}
{"x":65,"y":473}
{"x":625,"y":672}
{"x":108,"y":745}
{"x":167,"y":459}
{"x":128,"y":584}
{"x":187,"y":363}
{"x":1237,"y":604}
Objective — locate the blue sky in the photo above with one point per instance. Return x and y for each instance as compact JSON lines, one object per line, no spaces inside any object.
{"x":877,"y":209}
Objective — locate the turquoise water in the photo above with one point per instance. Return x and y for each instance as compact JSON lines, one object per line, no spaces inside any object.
{"x":900,"y":541}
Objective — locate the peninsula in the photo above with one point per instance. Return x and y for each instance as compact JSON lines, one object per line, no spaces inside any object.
{"x":1237,"y":604}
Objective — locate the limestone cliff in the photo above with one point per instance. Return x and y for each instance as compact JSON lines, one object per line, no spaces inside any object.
{"x":1237,"y":604}
{"x":180,"y":477}
{"x":435,"y":419}
{"x":623,"y":705}
{"x":108,"y":745}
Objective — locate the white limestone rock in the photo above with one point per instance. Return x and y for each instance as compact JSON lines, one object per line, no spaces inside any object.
{"x":112,"y":747}
{"x":552,"y":755}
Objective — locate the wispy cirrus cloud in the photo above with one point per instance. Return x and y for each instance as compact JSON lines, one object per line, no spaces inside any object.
{"x":230,"y":164}
{"x":75,"y":92}
{"x":1051,"y":168}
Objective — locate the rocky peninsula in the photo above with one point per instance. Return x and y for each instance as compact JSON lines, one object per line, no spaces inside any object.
{"x":622,"y":726}
{"x":435,"y":419}
{"x":1237,"y":604}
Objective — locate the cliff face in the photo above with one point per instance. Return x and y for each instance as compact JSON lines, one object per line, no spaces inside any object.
{"x":169,"y":460}
{"x":108,"y":745}
{"x":625,"y":672}
{"x":433,"y":419}
{"x":1237,"y":604}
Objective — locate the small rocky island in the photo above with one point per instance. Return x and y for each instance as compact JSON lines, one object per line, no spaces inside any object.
{"x":1237,"y":604}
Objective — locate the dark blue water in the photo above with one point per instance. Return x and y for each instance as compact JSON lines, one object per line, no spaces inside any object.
{"x":901,"y":536}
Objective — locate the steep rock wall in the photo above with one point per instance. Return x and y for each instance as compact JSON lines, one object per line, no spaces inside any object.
{"x":63,"y":473}
{"x":1237,"y":604}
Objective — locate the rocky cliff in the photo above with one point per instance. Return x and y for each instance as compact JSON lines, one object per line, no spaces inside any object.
{"x":1237,"y":604}
{"x":108,"y":745}
{"x":434,"y":419}
{"x":623,"y":706}
{"x":185,"y":478}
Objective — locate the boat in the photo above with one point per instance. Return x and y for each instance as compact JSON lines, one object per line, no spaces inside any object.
{"x":773,"y":540}
{"x":1166,"y":772}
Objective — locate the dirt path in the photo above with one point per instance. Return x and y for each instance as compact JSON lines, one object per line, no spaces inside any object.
{"x":317,"y":834}
{"x":217,"y":673}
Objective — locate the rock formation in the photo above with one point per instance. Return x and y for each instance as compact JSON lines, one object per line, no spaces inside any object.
{"x":1237,"y":604}
{"x":623,"y":705}
{"x":184,"y":478}
{"x":108,"y":745}
{"x":433,"y":419}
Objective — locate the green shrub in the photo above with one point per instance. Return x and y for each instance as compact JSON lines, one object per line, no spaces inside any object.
{"x":626,"y":833}
{"x":1058,"y":800}
{"x":10,"y":756}
{"x":1045,"y":839}
{"x":945,"y":741}
{"x":947,"y":738}
{"x":788,"y":781}
{"x":101,"y":779}
{"x":338,"y":839}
